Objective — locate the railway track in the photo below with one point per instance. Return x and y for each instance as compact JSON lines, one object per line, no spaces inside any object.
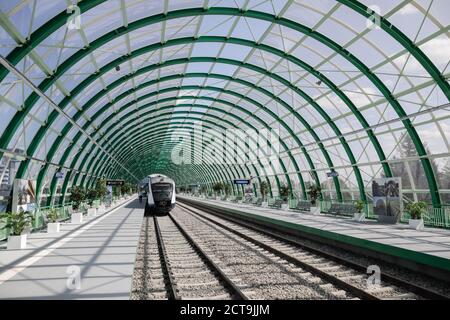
{"x":342,"y":273}
{"x":263,"y":274}
{"x":172,"y":266}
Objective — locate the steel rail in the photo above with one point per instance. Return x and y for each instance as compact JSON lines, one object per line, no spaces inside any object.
{"x":234,"y":290}
{"x":171,"y":285}
{"x":355,"y":291}
{"x":419,"y":290}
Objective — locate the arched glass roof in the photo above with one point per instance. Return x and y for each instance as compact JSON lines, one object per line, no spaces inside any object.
{"x":101,"y":89}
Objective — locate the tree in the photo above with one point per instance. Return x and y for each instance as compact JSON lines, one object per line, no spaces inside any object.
{"x":284,"y":192}
{"x":117,"y":191}
{"x":218,"y":187}
{"x":314,"y":193}
{"x":203,"y":189}
{"x":445,"y":180}
{"x":407,"y":149}
{"x":227,"y":189}
{"x":77,"y":195}
{"x":100,"y":189}
{"x":264,"y":189}
{"x":127,"y":188}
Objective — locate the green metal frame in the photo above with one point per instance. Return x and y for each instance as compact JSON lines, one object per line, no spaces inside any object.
{"x":52,"y":25}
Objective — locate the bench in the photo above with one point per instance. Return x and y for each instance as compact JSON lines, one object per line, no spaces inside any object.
{"x":302,"y":205}
{"x":342,"y":209}
{"x":257,"y":202}
{"x":248,"y":200}
{"x":276,"y":204}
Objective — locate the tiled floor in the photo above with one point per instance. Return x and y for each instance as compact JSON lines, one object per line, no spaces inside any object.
{"x":101,"y":251}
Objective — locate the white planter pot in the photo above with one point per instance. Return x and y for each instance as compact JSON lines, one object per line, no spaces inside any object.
{"x":17,"y":242}
{"x":314,"y":210}
{"x":416,"y":224}
{"x":284,"y":206}
{"x":101,"y":209}
{"x":91,"y":212}
{"x":77,"y":218}
{"x":53,"y":227}
{"x":359,"y":216}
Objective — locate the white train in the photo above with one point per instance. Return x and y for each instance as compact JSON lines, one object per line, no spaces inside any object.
{"x":160,"y":192}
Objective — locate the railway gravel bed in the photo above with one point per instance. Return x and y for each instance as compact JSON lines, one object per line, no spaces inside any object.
{"x":190,"y":277}
{"x":209,"y":257}
{"x":352,"y":276}
{"x":261,"y":274}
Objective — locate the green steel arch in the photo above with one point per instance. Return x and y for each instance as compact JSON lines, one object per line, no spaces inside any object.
{"x":43,"y":32}
{"x":137,"y":133}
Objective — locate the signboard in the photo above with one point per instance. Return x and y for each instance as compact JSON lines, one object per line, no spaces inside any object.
{"x":241,"y":181}
{"x":24,"y":195}
{"x":115,"y":182}
{"x":332,"y":174}
{"x":387,"y":199}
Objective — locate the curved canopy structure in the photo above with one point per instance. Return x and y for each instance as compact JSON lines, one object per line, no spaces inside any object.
{"x":121,"y":89}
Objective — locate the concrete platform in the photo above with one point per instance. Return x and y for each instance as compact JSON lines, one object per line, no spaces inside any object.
{"x":102,"y":249}
{"x":426,"y":251}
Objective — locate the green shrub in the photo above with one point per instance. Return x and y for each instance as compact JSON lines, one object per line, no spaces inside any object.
{"x":416,"y":209}
{"x":52,"y":215}
{"x":359,"y":205}
{"x":264,"y":189}
{"x":284,"y":192}
{"x":218,"y":187}
{"x":314,"y":193}
{"x":77,"y":196}
{"x":17,"y":221}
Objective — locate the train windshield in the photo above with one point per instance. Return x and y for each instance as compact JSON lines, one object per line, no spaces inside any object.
{"x":162,"y":191}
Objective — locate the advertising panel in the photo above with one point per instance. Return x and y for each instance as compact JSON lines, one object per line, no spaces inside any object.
{"x":24,"y":195}
{"x":387,"y":199}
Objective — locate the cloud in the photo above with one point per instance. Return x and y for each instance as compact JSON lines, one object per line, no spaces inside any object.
{"x":438,"y":50}
{"x":408,"y":10}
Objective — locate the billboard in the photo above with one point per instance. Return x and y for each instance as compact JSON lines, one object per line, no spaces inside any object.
{"x":387,"y":199}
{"x":24,"y":195}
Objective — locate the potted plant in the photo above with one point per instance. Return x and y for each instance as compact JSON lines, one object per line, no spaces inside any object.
{"x":284,"y":194}
{"x":416,"y":210}
{"x":264,"y":189}
{"x":314,"y":193}
{"x":53,"y":226}
{"x":227,"y":190}
{"x":359,"y":214}
{"x":17,"y":222}
{"x":203,"y":190}
{"x":77,"y":196}
{"x":217,"y":187}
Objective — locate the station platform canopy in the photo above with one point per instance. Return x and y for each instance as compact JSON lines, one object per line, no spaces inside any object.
{"x":114,"y":89}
